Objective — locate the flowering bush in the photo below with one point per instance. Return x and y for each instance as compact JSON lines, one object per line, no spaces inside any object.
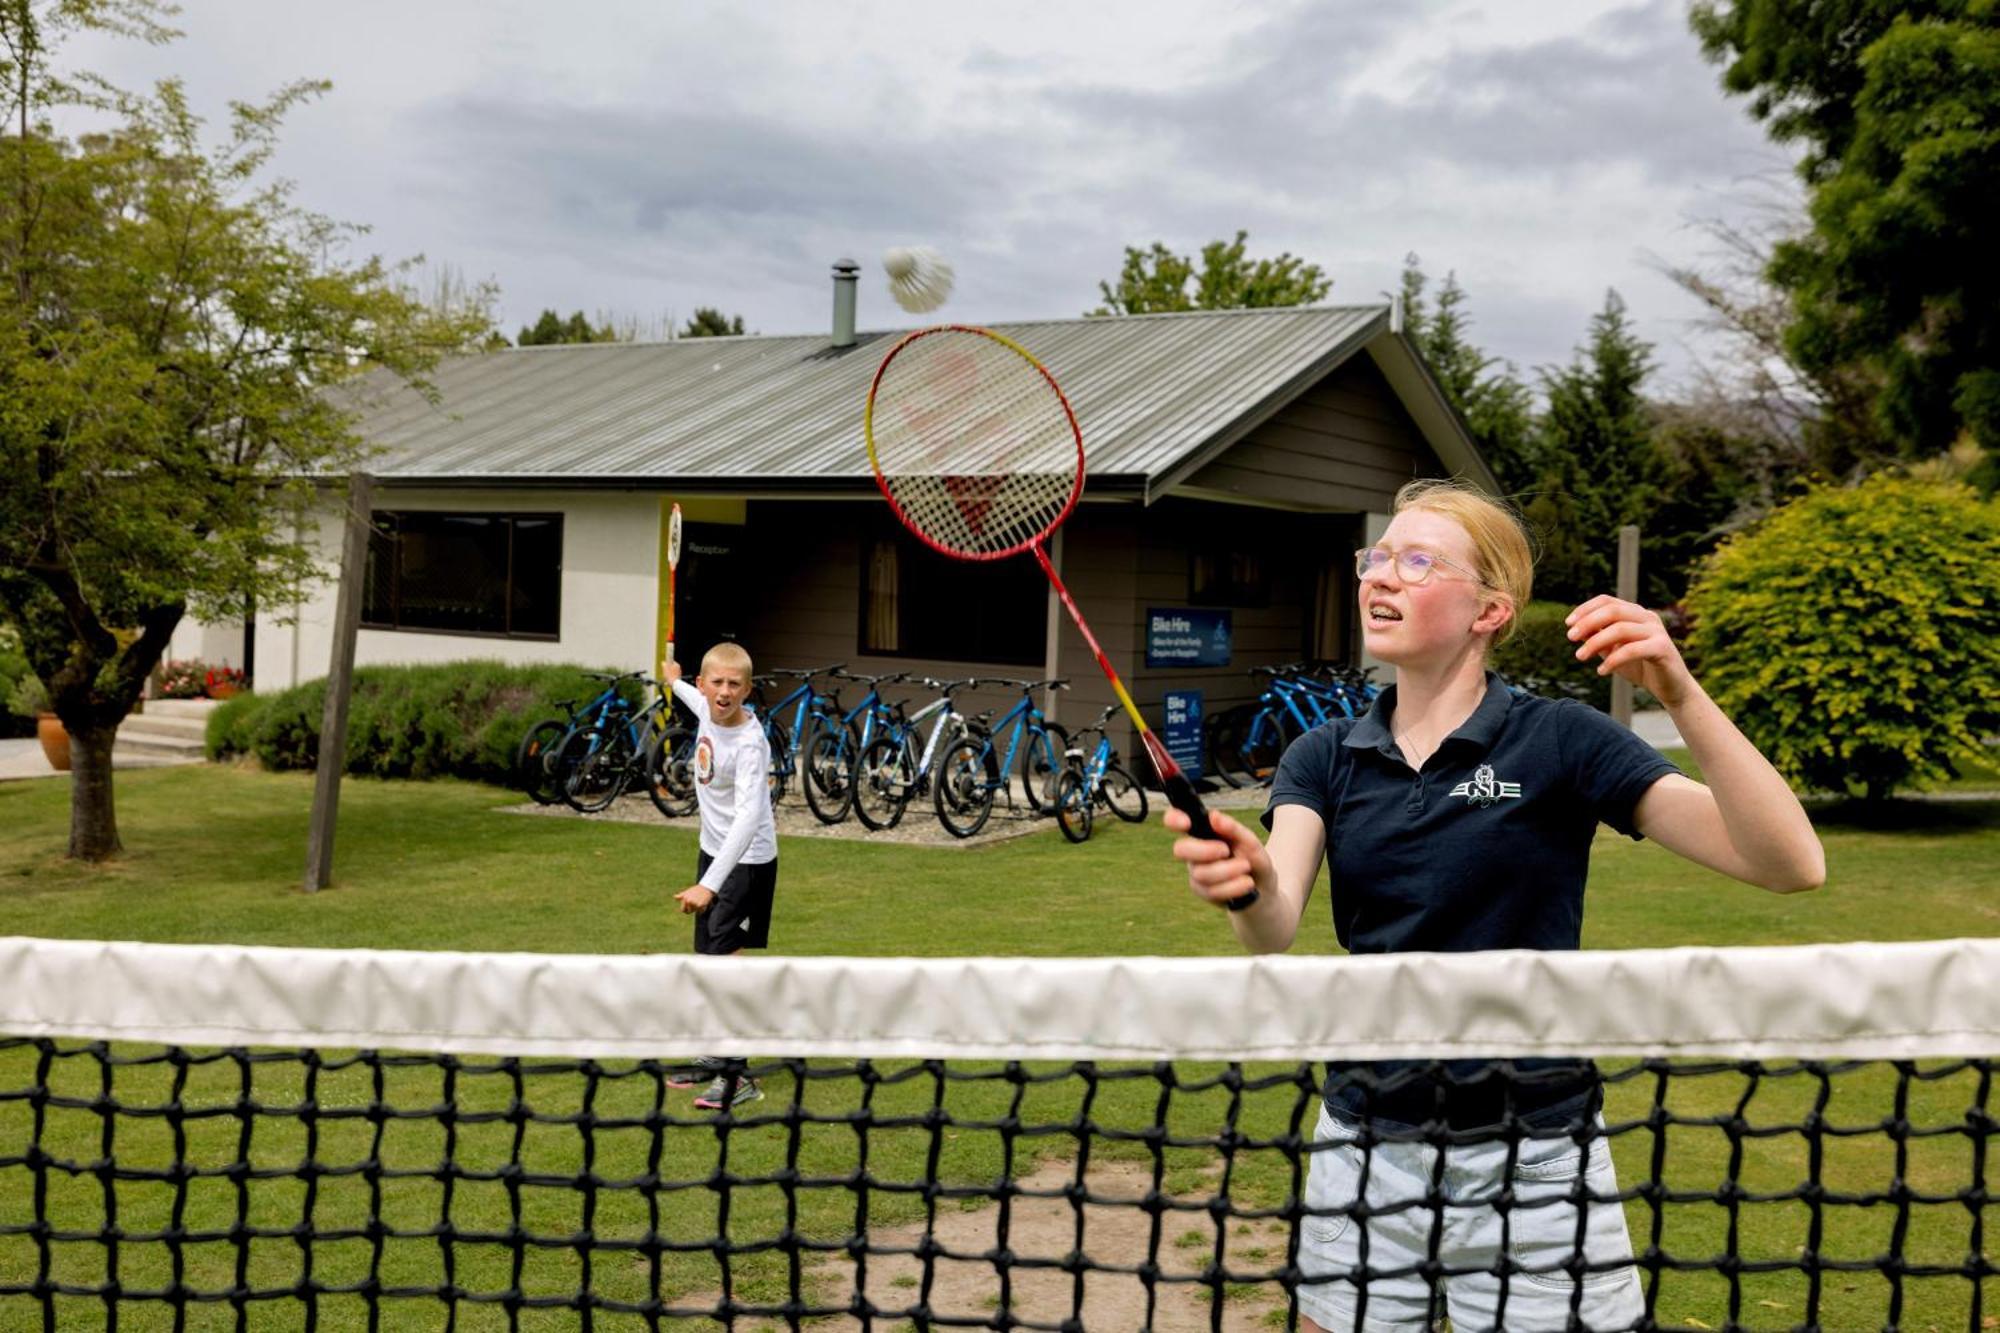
{"x":184,"y":680}
{"x":223,"y":681}
{"x":192,"y":678}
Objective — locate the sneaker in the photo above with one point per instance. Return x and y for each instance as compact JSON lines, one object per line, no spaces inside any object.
{"x":720,"y":1094}
{"x":695,"y":1075}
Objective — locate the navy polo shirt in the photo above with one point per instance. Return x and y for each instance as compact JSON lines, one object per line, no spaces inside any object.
{"x":1486,"y":847}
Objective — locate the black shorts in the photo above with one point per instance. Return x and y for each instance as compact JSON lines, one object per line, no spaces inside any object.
{"x":740,"y":916}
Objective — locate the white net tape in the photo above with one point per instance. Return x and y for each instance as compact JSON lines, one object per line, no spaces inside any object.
{"x":1858,"y":1001}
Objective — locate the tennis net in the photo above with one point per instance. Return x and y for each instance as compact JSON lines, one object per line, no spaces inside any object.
{"x":247,"y":1138}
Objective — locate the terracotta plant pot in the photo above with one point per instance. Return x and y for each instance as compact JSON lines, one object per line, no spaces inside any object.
{"x":55,"y":741}
{"x":222,"y":690}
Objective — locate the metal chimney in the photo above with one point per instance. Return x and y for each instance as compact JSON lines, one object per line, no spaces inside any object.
{"x":846,"y":280}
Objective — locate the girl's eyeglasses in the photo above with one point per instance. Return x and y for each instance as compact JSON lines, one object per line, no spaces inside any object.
{"x":1413,"y":563}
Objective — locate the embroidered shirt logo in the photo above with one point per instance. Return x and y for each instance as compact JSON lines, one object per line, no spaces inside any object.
{"x":1485,"y":789}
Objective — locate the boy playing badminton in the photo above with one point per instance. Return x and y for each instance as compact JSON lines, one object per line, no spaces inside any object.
{"x":1458,"y":814}
{"x":736,"y":872}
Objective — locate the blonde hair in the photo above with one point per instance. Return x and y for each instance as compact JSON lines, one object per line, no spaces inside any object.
{"x":1502,"y":555}
{"x":728,"y":657}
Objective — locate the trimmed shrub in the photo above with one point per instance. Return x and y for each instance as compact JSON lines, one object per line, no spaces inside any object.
{"x":14,"y":669}
{"x":1540,"y":658}
{"x":1854,"y":635}
{"x":456,"y":719}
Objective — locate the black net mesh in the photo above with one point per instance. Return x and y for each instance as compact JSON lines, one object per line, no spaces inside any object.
{"x":161,"y":1187}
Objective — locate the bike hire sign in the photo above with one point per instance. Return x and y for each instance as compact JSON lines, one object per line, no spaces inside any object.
{"x":1182,"y":732}
{"x":1185,"y":637}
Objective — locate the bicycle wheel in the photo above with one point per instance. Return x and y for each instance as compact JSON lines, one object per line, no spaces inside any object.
{"x":1125,"y":797}
{"x":828,"y":779}
{"x":532,"y":757}
{"x":1042,"y":764}
{"x":963,"y":793}
{"x":780,"y":737}
{"x":884,"y":779}
{"x":670,"y":772}
{"x":1263,"y":746}
{"x":1073,"y":802}
{"x":597,"y":764}
{"x":1226,"y":734}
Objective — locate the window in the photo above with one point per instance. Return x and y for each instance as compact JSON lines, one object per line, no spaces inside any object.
{"x":1228,"y":578}
{"x":917,"y":603}
{"x":497,"y":574}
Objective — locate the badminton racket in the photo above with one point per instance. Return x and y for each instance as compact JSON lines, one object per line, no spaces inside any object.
{"x":673,"y":563}
{"x":977,"y":451}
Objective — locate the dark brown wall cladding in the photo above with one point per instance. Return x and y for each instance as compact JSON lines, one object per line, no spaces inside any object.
{"x":1344,"y":444}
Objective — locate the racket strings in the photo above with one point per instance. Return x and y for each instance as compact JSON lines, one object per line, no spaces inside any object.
{"x":973,"y":443}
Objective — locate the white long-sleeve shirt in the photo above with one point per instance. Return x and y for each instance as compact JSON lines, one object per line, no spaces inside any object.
{"x":732,"y":790}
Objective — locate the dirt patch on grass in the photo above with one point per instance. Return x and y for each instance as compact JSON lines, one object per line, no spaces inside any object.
{"x":1114,"y":1233}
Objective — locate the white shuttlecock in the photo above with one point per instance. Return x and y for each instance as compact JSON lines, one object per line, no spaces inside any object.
{"x":919,"y":277}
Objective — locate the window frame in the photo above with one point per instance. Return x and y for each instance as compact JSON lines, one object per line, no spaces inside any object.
{"x":911,"y":609}
{"x":511,"y":518}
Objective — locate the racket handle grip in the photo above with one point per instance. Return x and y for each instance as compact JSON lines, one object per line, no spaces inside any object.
{"x":1181,"y":795}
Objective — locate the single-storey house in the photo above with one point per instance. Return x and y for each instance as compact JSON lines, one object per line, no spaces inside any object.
{"x":1235,"y":460}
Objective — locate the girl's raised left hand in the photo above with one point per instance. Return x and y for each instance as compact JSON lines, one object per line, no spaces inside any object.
{"x":1634,"y":645}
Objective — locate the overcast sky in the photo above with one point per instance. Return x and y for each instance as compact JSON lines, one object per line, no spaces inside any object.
{"x":640,"y":159}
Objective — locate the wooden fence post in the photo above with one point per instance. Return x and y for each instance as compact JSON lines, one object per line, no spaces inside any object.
{"x":339,"y":682}
{"x":1628,"y":590}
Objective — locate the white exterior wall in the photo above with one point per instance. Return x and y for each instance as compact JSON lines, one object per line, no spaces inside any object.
{"x":610,"y":588}
{"x":217,"y":645}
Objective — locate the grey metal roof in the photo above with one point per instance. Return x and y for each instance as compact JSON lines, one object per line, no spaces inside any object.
{"x":762,"y":413}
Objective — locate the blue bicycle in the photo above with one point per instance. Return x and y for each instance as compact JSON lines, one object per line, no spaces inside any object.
{"x":536,"y":768}
{"x":787,"y":722}
{"x":837,"y":741}
{"x":976,"y":769}
{"x":629,"y":745}
{"x":1098,"y":780}
{"x":893,"y":770}
{"x":1245,"y":743}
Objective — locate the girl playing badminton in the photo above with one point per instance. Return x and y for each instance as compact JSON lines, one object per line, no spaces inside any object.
{"x":1458,"y":814}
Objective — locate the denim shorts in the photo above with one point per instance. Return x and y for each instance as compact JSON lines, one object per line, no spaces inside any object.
{"x":1540,"y":1233}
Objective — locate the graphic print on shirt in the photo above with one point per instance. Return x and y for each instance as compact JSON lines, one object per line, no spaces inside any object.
{"x":1485,"y":789}
{"x":704,"y":761}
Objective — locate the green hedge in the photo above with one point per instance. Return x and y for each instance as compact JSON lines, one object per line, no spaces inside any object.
{"x":13,"y":668}
{"x":1854,"y":634}
{"x":1541,"y":657}
{"x":455,"y":719}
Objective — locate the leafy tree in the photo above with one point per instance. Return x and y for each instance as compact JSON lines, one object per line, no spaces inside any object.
{"x":1855,"y":634}
{"x":1158,"y":280}
{"x":1787,"y":419}
{"x":708,"y":322}
{"x":167,"y":326}
{"x":1599,"y":466}
{"x":1498,"y":408}
{"x":550,"y":328}
{"x":1898,"y":108}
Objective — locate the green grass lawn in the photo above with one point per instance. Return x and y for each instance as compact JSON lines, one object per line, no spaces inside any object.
{"x":216,"y":854}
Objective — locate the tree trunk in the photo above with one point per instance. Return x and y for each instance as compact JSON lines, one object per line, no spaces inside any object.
{"x":93,"y":820}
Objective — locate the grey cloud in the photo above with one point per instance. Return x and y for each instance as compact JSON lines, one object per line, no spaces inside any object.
{"x":1629,"y":90}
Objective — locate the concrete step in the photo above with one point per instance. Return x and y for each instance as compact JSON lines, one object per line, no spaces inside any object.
{"x":195,"y":708}
{"x":148,"y":743}
{"x":166,"y":737}
{"x":164,"y":725}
